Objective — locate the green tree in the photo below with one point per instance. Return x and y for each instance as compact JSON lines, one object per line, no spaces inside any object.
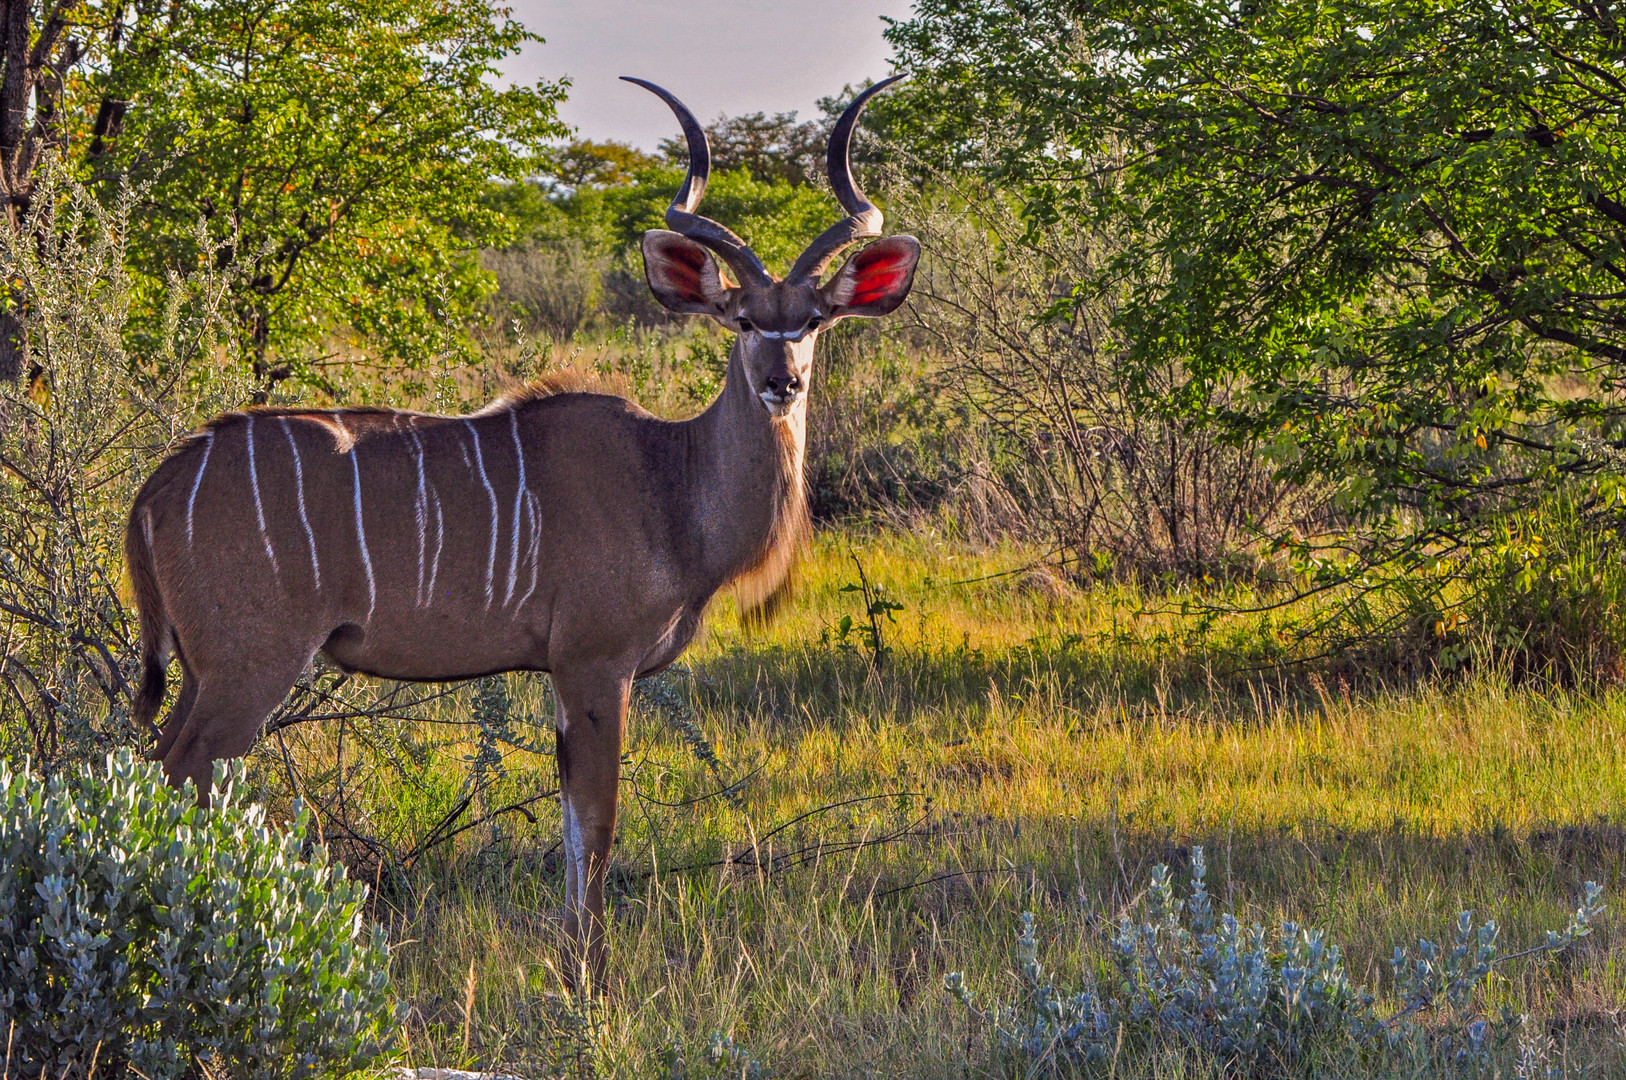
{"x":1385,"y":238}
{"x":779,"y":219}
{"x":551,"y":204}
{"x":771,"y":147}
{"x":338,"y":149}
{"x":584,"y":163}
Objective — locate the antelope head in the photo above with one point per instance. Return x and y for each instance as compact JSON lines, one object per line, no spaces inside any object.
{"x":777,"y":320}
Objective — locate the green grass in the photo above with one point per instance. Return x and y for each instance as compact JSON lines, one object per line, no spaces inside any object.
{"x":1022,"y":747}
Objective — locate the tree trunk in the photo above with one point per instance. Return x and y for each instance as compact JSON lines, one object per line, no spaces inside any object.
{"x":14,"y":88}
{"x":36,"y":60}
{"x":13,"y":346}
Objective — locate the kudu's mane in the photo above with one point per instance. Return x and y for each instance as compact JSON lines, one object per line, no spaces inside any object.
{"x":346,"y":422}
{"x":767,"y":584}
{"x":550,"y":384}
{"x":554,"y":383}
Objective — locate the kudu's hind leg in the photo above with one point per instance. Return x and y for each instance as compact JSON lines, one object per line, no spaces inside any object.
{"x":591,"y":716}
{"x":178,"y":713}
{"x":229,"y":705}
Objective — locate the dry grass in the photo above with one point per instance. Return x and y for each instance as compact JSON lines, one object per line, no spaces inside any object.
{"x":1023,"y":747}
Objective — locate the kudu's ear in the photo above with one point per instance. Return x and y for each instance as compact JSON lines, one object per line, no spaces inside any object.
{"x":683,"y":275}
{"x":874,"y":281}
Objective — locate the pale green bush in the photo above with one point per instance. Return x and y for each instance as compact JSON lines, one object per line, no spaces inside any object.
{"x":1257,"y":1002}
{"x":142,"y":935}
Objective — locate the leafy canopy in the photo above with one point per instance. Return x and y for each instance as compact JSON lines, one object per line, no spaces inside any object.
{"x":1392,"y":230}
{"x":338,"y":150}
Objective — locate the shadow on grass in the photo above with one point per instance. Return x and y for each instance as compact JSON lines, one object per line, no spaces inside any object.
{"x":824,"y":685}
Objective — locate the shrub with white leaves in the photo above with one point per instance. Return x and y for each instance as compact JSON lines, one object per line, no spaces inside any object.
{"x":1256,"y":1001}
{"x":142,"y":935}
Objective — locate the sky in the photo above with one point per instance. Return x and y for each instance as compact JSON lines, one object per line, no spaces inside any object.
{"x":718,"y":56}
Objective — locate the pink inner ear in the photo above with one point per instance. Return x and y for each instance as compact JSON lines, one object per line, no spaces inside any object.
{"x":679,"y":267}
{"x":880,"y":270}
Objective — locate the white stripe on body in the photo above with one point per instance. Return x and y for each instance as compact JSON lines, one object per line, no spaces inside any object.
{"x":533,"y":518}
{"x":420,"y":512}
{"x":479,"y":461}
{"x":146,"y":525}
{"x":208,"y":445}
{"x":519,"y":498}
{"x":361,"y":533}
{"x":254,"y":482}
{"x":299,"y":493}
{"x":440,"y":536}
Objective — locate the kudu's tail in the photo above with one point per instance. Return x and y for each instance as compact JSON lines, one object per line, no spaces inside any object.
{"x":155,"y":626}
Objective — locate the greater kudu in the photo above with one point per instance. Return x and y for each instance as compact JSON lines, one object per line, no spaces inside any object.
{"x":572,"y":533}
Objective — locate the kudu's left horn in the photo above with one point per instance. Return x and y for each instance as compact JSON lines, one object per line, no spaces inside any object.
{"x":863,"y":218}
{"x":681,"y":216}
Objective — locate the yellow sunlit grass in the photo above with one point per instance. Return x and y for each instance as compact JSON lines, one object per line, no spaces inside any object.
{"x":1023,"y":746}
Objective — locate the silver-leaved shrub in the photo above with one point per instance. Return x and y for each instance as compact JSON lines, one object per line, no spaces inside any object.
{"x":1260,"y":1002}
{"x":141,"y":935}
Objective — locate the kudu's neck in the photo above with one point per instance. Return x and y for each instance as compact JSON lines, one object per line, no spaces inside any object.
{"x":753,"y":509}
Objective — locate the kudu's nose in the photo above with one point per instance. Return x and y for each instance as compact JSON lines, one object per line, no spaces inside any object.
{"x":784,"y":385}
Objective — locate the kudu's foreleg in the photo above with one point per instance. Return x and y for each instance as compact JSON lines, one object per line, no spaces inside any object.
{"x":591,"y":718}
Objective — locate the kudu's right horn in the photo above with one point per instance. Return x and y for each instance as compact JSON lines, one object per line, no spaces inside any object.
{"x":681,"y":216}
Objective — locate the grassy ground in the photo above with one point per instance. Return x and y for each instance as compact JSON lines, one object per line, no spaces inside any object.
{"x":1021,"y":747}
